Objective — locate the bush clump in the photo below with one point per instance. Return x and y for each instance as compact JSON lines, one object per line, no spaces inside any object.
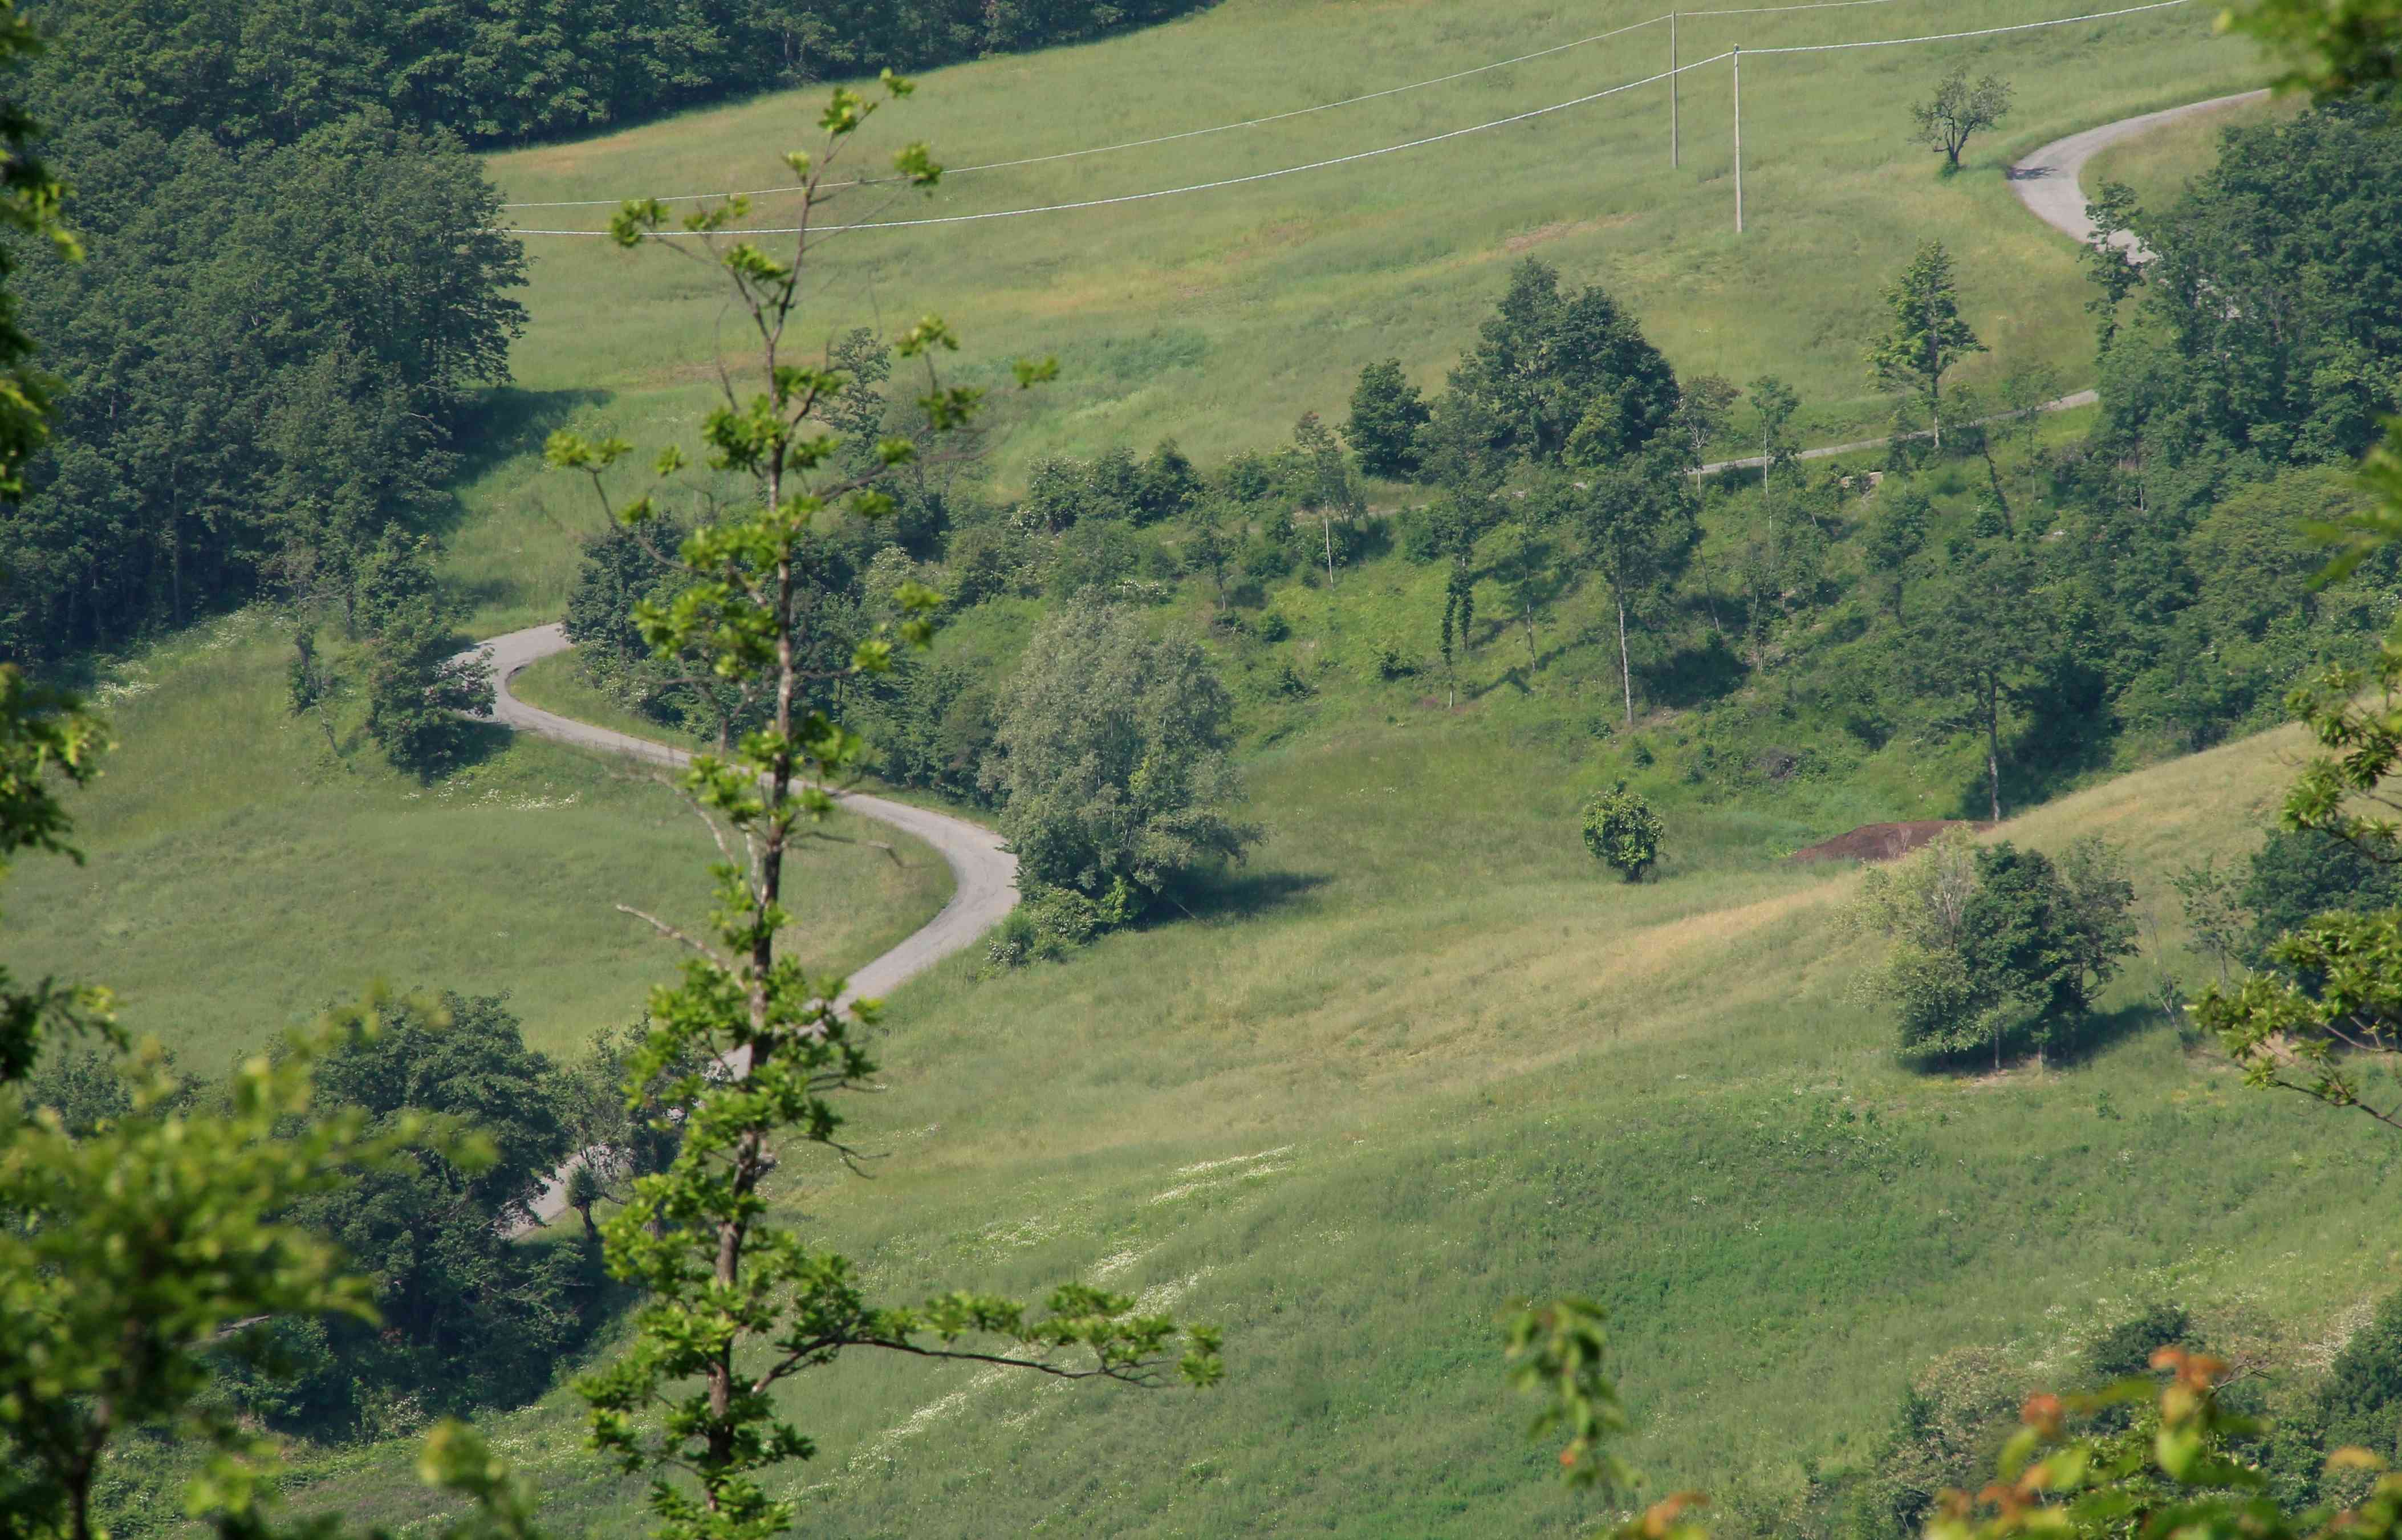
{"x":1621,"y":831}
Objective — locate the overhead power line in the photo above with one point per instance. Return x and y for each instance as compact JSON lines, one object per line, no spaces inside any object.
{"x":1191,"y":188}
{"x":1981,"y":31}
{"x":1226,"y":128}
{"x":1386,"y":149}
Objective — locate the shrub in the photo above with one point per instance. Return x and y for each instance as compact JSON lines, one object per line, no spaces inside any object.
{"x":1111,"y":754}
{"x":1622,"y":830}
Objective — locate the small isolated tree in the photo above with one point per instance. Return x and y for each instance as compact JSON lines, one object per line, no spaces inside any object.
{"x":1387,"y":413}
{"x":1623,"y":832}
{"x":1927,"y":336}
{"x":1995,"y":942}
{"x":1957,"y":110}
{"x":1112,"y":759}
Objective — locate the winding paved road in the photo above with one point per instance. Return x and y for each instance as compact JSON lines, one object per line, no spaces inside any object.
{"x":984,"y":874}
{"x":2049,"y":182}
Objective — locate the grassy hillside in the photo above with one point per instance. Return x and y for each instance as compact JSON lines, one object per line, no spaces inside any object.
{"x":1444,"y":1062}
{"x":240,"y":878}
{"x":1219,"y":316}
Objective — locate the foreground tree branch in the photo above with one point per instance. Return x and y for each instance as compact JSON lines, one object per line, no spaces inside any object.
{"x":738,"y":1303}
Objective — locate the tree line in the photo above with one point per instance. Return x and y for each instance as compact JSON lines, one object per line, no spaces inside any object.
{"x":496,"y":72}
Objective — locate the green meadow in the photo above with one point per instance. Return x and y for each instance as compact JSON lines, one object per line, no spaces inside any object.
{"x":1428,"y":1058}
{"x":239,"y":876}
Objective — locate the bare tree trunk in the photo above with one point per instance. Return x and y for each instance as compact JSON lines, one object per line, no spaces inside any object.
{"x":175,"y":557}
{"x":1625,"y":668}
{"x":1326,"y":521}
{"x":1993,"y":747}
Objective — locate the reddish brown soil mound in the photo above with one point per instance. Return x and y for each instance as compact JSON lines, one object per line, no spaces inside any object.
{"x":1879,"y":842}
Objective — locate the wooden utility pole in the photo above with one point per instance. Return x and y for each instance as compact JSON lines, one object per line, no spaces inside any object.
{"x":1674,"y":80}
{"x":1738,"y":141}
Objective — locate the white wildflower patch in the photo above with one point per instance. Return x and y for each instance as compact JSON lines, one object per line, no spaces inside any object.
{"x":1110,"y":1266}
{"x":1188,"y":1188}
{"x":1199,"y":1166}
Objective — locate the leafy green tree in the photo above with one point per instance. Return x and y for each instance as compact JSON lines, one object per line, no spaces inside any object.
{"x":1957,"y":111}
{"x":463,"y":1318}
{"x":2110,"y":258}
{"x":2299,"y":874}
{"x":2039,"y":938}
{"x":1388,"y":414}
{"x":1523,"y":565}
{"x":2336,"y":47}
{"x":1548,"y":364}
{"x":1637,"y":519}
{"x":2360,"y":1401}
{"x":46,"y":739}
{"x":1991,"y":943}
{"x":1894,"y":535}
{"x":1623,"y":832}
{"x":2302,"y":370}
{"x":1980,"y":635}
{"x":1112,"y":759}
{"x":1459,"y":597}
{"x":1921,"y":904}
{"x":1705,"y":411}
{"x":1327,"y":487}
{"x":738,"y":1304}
{"x":417,"y":681}
{"x":1206,"y":548}
{"x":1168,"y":486}
{"x":1928,"y":336}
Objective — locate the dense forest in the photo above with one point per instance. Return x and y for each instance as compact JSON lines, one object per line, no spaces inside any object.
{"x":505,"y":71}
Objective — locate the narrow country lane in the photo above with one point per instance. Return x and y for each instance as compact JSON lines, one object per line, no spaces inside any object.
{"x":983,"y":872}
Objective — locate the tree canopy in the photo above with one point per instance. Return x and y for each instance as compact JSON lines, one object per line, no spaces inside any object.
{"x":1112,"y":757}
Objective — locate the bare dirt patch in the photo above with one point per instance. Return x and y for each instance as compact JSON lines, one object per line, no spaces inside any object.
{"x":1881,"y":841}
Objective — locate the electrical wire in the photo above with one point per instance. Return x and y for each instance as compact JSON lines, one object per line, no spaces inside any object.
{"x":1384,"y":150}
{"x":1224,"y":128}
{"x":1190,"y":188}
{"x":1982,"y":32}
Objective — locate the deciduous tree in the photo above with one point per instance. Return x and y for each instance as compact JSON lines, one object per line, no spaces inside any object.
{"x":1958,"y":110}
{"x":739,"y":1304}
{"x":1112,"y":758}
{"x":1928,"y":336}
{"x":1388,"y":414}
